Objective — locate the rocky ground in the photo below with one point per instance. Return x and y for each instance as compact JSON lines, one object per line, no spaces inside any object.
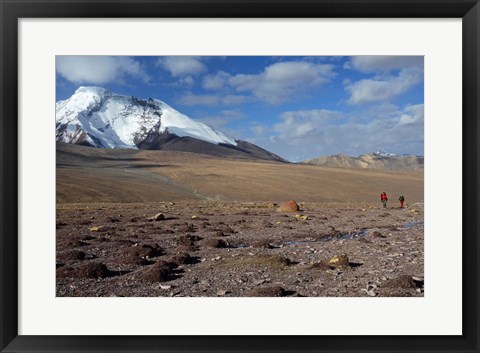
{"x":239,"y":249}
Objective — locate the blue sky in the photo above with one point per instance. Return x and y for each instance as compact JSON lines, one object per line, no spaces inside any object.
{"x":296,"y":106}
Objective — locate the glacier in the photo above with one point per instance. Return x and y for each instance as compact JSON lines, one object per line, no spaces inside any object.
{"x":100,"y":118}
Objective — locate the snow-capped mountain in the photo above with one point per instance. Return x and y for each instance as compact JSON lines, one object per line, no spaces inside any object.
{"x":95,"y":117}
{"x":101,"y":118}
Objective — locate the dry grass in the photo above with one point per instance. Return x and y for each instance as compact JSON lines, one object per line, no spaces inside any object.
{"x":89,"y":175}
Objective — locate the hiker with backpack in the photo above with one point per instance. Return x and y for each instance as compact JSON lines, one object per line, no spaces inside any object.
{"x":402,"y":200}
{"x":384,"y":199}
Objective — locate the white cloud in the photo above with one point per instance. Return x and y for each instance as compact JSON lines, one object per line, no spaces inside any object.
{"x":315,"y":133}
{"x":383,"y":88}
{"x":99,"y":69}
{"x":258,"y":129}
{"x":222,"y":121}
{"x":182,"y":65}
{"x":283,"y":81}
{"x":191,"y":99}
{"x":379,"y":63}
{"x":215,"y":82}
{"x":278,"y":82}
{"x":187,"y":81}
{"x":299,"y":124}
{"x":182,"y":82}
{"x":234,"y":99}
{"x":199,"y":99}
{"x":413,"y":114}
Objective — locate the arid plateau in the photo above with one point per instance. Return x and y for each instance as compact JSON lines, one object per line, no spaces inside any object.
{"x":169,"y":223}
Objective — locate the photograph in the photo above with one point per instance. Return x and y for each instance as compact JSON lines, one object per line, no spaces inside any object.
{"x":239,"y":176}
{"x":271,"y":170}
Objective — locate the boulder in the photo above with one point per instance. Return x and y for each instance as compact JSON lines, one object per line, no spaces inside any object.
{"x":339,"y":261}
{"x":290,"y":206}
{"x":159,"y":217}
{"x":377,"y":234}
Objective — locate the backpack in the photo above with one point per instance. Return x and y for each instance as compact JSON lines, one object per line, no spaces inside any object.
{"x":401,"y":198}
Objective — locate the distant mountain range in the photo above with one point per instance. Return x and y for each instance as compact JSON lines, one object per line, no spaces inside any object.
{"x":376,"y":160}
{"x":95,"y":117}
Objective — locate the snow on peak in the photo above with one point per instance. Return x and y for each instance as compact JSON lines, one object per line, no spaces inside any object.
{"x":382,"y":153}
{"x":181,"y":125}
{"x":109,"y":120}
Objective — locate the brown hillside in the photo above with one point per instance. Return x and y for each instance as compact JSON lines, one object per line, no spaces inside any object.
{"x":87,"y":174}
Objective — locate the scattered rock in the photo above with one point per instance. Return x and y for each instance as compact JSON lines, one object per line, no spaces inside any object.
{"x":187,"y":228}
{"x":377,"y":234}
{"x":92,"y":270}
{"x":75,"y":243}
{"x":265,"y":244}
{"x":144,"y":250}
{"x":96,"y":229}
{"x":73,"y":255}
{"x":60,"y":224}
{"x":322,"y":265}
{"x":258,"y":282}
{"x":403,"y":281}
{"x":275,"y":291}
{"x":370,"y":293}
{"x":215,"y":243}
{"x":290,"y":206}
{"x":182,"y":259}
{"x":159,"y":217}
{"x":339,"y":261}
{"x":363,"y":240}
{"x":186,"y":242}
{"x":227,"y":230}
{"x":168,"y":264}
{"x":158,"y":272}
{"x":222,"y":292}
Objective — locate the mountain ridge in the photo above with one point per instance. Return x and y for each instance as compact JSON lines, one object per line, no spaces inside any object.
{"x":377,"y":160}
{"x":96,"y":117}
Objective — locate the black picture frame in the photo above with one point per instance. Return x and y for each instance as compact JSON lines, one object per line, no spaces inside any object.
{"x":12,"y":11}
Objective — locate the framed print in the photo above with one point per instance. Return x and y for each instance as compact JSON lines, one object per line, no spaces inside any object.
{"x":228,"y":176}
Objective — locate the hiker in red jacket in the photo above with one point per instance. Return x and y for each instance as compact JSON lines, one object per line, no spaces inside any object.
{"x":402,"y":200}
{"x":384,"y":199}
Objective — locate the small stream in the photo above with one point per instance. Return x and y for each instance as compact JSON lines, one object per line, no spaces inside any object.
{"x":358,"y":233}
{"x":362,"y":232}
{"x":413,"y":223}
